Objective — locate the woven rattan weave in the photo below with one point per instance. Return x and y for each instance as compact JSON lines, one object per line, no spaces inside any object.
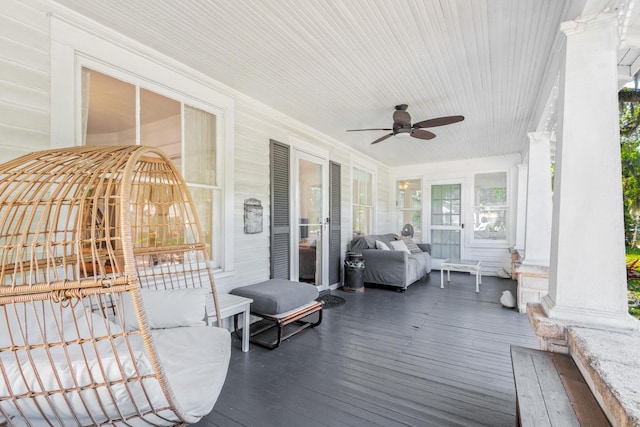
{"x":83,"y":230}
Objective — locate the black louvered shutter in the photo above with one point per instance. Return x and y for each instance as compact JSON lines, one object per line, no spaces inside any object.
{"x":334,"y":223}
{"x":280,"y":221}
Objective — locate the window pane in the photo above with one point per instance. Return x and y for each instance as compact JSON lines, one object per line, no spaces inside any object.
{"x":490,"y":211}
{"x":362,"y":202}
{"x":413,"y":217}
{"x":108,"y":110}
{"x":409,"y":203}
{"x":490,"y":223}
{"x":160,"y":123}
{"x":491,"y":189}
{"x":409,"y":193}
{"x":200,"y":146}
{"x":361,"y":220}
{"x":445,"y":244}
{"x":203,"y":200}
{"x":362,"y":187}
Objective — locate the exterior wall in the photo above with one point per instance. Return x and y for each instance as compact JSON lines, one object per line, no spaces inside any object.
{"x":384,"y":223}
{"x":24,"y":78}
{"x":493,"y":255}
{"x":25,"y":126}
{"x":255,"y":126}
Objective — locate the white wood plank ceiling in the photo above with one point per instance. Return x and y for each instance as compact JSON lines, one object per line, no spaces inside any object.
{"x":344,"y":64}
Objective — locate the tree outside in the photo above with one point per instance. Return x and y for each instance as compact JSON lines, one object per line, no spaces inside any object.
{"x":630,"y":156}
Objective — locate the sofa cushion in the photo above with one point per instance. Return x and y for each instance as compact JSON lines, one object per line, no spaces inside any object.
{"x":421,"y":261}
{"x":369,"y":242}
{"x":399,"y":245}
{"x":277,"y":296}
{"x":382,"y":245}
{"x":411,"y":245}
{"x":363,"y":242}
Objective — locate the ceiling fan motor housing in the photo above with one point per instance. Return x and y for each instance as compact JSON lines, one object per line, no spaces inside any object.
{"x":401,"y":129}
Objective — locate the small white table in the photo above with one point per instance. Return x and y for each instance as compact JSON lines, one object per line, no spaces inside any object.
{"x":231,"y":305}
{"x":464,"y":265}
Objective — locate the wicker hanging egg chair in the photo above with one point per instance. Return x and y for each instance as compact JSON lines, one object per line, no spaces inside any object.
{"x":106,"y":286}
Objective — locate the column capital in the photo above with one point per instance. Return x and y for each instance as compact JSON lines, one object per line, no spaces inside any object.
{"x":538,"y":136}
{"x":585,"y":23}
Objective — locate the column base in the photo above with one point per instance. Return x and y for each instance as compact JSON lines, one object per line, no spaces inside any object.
{"x":605,"y":356}
{"x":533,"y":284}
{"x":589,"y":317}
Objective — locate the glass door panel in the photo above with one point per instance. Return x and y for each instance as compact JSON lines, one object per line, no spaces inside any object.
{"x":446,"y":221}
{"x":310,"y":214}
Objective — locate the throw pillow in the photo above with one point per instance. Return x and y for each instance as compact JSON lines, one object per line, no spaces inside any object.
{"x":399,"y":245}
{"x":381,"y":245}
{"x":413,"y":248}
{"x":166,"y":308}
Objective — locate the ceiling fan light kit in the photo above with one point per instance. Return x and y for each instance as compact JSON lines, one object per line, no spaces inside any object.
{"x":402,"y":127}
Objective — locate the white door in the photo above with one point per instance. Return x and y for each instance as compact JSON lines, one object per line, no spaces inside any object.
{"x":446,"y":226}
{"x":311,"y":201}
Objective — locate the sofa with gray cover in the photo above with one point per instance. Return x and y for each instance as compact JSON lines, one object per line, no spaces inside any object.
{"x":392,"y":267}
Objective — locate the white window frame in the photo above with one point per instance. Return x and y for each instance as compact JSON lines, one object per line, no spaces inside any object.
{"x":507,"y":207}
{"x":372,"y":207}
{"x":399,"y":212}
{"x":108,"y":52}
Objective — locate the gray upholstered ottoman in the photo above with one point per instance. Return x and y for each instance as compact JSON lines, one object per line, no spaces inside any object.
{"x":280,"y":303}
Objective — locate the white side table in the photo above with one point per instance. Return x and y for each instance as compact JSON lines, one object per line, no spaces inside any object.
{"x":231,"y":305}
{"x":465,"y":265}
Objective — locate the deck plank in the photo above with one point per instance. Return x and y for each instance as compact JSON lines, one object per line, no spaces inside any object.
{"x":426,"y":357}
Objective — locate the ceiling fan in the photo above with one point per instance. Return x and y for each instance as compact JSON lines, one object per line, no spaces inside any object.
{"x":402,"y":125}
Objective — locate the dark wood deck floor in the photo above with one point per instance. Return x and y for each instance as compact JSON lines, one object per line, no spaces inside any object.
{"x":426,"y":357}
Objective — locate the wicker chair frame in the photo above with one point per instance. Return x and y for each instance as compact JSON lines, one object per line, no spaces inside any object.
{"x":81,"y":230}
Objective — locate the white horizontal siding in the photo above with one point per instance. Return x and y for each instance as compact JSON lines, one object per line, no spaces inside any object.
{"x":255,"y":127}
{"x":24,"y":78}
{"x":492,"y":259}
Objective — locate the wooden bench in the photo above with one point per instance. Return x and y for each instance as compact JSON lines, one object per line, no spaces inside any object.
{"x":550,"y":391}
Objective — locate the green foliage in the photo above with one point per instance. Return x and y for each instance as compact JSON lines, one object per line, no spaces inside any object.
{"x":633,"y":285}
{"x":630,"y":158}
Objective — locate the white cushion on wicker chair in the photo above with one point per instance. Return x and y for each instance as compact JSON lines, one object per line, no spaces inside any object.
{"x":166,"y":308}
{"x":190,"y":354}
{"x":187,"y":354}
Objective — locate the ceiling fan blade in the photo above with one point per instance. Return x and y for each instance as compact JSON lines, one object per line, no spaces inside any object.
{"x":439,"y":121}
{"x":382,"y":138}
{"x":422,"y":134}
{"x":401,"y":117}
{"x":360,"y":130}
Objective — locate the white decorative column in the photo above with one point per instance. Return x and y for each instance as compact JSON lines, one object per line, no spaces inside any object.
{"x":533,"y":274}
{"x":539,"y":201}
{"x":587,"y":281}
{"x":522,"y":207}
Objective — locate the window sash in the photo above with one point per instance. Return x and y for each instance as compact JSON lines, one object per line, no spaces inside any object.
{"x":491,"y":210}
{"x":409,"y":205}
{"x":362,"y":204}
{"x":188,"y":138}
